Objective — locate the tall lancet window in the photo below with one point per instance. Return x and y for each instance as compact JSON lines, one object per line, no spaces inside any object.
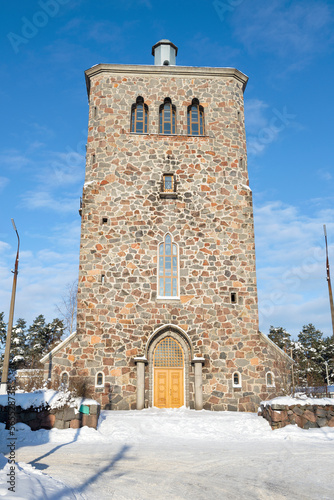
{"x":168,"y":268}
{"x":195,"y":118}
{"x":139,"y":117}
{"x":167,"y":117}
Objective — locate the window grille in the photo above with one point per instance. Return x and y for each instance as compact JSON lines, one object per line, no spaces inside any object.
{"x":168,"y":183}
{"x":168,"y":354}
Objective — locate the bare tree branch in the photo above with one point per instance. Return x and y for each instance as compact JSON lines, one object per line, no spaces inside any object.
{"x":67,"y":309}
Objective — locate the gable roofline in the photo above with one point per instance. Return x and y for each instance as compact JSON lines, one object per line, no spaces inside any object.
{"x":62,"y":344}
{"x":271,"y":343}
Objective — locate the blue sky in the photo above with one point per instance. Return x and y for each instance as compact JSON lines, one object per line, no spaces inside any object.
{"x":286,"y":49}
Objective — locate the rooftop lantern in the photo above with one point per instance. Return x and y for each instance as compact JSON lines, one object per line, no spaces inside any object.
{"x":164,"y":53}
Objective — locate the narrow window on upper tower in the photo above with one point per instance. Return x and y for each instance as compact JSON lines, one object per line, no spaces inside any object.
{"x":167,"y":117}
{"x":168,"y":269}
{"x":139,"y":117}
{"x":195,"y":118}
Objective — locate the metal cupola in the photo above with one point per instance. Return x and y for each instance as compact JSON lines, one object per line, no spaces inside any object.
{"x":164,"y":53}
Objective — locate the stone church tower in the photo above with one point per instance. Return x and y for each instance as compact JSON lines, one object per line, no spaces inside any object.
{"x":167,"y":302}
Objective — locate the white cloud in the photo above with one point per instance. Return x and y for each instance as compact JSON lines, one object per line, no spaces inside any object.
{"x":324,"y":174}
{"x":35,"y":200}
{"x":43,"y":274}
{"x":203,"y":45}
{"x":14,"y":159}
{"x":3,"y":182}
{"x":264,"y":124}
{"x":62,"y":169}
{"x":287,"y":29}
{"x":291,"y":268}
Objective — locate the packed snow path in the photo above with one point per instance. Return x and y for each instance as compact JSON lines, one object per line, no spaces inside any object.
{"x":183,"y":454}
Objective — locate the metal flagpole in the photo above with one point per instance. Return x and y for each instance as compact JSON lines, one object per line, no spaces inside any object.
{"x":4,"y":377}
{"x":329,"y":281}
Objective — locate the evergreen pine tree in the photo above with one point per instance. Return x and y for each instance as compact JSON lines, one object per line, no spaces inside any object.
{"x":42,"y":337}
{"x":55,"y":331}
{"x":36,"y":339}
{"x":329,"y":357}
{"x":311,"y":361}
{"x":18,"y":345}
{"x":280,"y":336}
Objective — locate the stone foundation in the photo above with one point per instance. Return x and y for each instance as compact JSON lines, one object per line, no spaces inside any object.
{"x":305,"y":416}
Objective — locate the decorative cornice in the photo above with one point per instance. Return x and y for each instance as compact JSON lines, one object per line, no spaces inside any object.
{"x":172,"y":71}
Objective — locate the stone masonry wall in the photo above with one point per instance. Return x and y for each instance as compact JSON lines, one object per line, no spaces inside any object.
{"x":44,"y":417}
{"x":305,"y":416}
{"x":211,"y":220}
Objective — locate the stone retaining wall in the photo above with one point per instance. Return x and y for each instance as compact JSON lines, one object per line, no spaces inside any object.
{"x":44,"y":417}
{"x":305,"y":416}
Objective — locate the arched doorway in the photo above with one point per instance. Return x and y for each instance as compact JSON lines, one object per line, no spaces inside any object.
{"x":168,"y":367}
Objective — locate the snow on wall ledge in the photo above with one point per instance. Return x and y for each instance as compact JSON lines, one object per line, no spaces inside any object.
{"x":307,"y":413}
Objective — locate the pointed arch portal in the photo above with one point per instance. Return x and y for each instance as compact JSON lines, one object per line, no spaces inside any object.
{"x":169,"y":355}
{"x":168,"y":366}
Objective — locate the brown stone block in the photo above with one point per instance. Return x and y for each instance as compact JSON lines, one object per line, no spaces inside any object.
{"x":116,"y":372}
{"x":89,"y":420}
{"x":300,"y":421}
{"x":75,"y":424}
{"x":130,"y":388}
{"x":48,"y":421}
{"x":131,"y":352}
{"x":310,"y":416}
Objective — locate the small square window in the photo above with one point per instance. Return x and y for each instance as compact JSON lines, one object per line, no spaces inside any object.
{"x":234,"y":298}
{"x":168,"y":183}
{"x":104,"y":220}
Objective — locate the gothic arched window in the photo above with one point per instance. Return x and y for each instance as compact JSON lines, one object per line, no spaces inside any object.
{"x":270,"y":379}
{"x":195,"y":118}
{"x":139,"y":117}
{"x":167,"y":117}
{"x":99,"y":379}
{"x":168,"y":268}
{"x":64,"y":380}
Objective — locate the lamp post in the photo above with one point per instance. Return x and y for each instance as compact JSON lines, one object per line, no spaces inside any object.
{"x":329,"y":281}
{"x":4,"y":377}
{"x":327,"y":377}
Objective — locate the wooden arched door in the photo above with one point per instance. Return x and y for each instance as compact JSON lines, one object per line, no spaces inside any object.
{"x":168,"y":365}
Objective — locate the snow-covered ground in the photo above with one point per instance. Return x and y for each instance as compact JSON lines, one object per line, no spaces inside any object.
{"x":174,"y":454}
